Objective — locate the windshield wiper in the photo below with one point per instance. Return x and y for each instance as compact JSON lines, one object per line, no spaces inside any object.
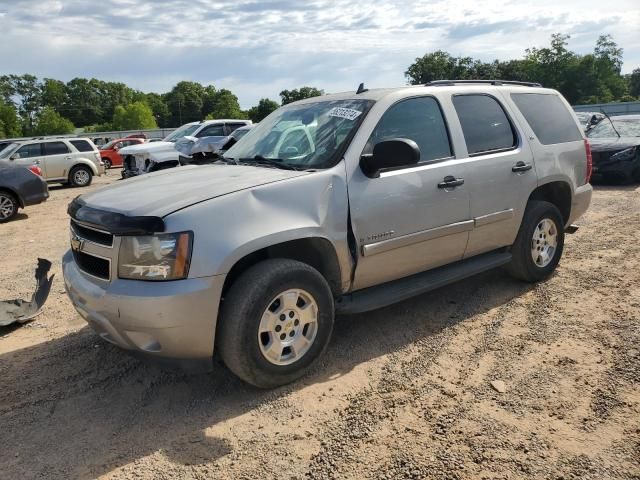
{"x":276,"y":162}
{"x":230,"y":160}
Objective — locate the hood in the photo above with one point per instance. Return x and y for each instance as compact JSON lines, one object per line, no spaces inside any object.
{"x":189,"y":145}
{"x":146,"y":148}
{"x":164,"y":192}
{"x":612,"y":144}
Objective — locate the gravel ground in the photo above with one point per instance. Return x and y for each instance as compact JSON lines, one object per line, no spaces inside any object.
{"x":485,"y":379}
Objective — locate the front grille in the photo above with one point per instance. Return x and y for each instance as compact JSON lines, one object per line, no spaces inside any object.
{"x":95,"y":236}
{"x":95,"y":266}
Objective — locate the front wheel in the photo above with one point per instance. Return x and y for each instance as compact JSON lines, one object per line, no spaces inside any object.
{"x":539,"y":244}
{"x":276,"y":321}
{"x":107,"y":163}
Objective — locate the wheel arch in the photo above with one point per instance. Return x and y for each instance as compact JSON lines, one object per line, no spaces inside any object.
{"x":557,"y":192}
{"x":85,"y":163}
{"x":14,"y":193}
{"x":316,"y":252}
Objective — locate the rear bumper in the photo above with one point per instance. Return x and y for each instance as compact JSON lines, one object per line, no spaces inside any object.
{"x":580,"y":203}
{"x":172,"y":322}
{"x":37,"y":192}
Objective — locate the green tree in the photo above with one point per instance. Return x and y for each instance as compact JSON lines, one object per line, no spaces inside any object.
{"x":28,"y":90}
{"x":135,"y":116}
{"x":289,"y":96}
{"x":84,"y":102}
{"x":634,"y":83}
{"x":159,"y":108}
{"x":50,"y":122}
{"x":54,"y":94}
{"x":439,"y":65}
{"x":259,"y":112}
{"x":185,"y":103}
{"x":9,"y":121}
{"x":225,"y":105}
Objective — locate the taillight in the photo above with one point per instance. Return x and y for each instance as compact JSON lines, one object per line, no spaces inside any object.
{"x":36,"y":169}
{"x":587,"y":149}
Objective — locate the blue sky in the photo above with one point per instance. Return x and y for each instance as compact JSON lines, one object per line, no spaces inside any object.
{"x":258,"y":48}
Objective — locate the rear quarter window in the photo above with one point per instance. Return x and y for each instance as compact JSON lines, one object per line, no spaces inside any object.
{"x":82,"y":145}
{"x":548,"y":117}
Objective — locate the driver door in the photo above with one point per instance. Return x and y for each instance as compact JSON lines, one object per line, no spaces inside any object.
{"x":408,"y":220}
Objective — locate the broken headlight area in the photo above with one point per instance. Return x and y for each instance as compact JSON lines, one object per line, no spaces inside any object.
{"x":160,"y":257}
{"x":626,"y":155}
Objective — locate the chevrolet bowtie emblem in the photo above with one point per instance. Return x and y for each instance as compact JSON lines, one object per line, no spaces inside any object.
{"x":77,"y":243}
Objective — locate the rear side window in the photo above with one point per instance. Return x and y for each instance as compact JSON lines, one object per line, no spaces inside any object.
{"x":234,"y":126}
{"x":485,"y":126}
{"x":55,"y":148}
{"x":418,"y":119}
{"x":216,"y":130}
{"x":82,"y":145}
{"x":549,"y":118}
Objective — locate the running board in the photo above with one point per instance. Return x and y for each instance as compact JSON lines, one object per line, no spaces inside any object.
{"x":389,"y":293}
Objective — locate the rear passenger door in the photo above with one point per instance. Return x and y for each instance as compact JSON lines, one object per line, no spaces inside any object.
{"x":501,"y":170}
{"x":57,"y":159}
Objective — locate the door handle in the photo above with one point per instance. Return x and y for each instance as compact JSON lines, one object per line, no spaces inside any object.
{"x":36,"y":162}
{"x":521,"y":167}
{"x":67,"y":158}
{"x":451,"y":182}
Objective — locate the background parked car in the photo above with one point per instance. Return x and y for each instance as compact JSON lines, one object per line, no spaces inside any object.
{"x":19,"y":188}
{"x":150,"y":157}
{"x":204,"y":150}
{"x":71,"y":161}
{"x":99,"y":141}
{"x":615,"y":146}
{"x":109,"y":152}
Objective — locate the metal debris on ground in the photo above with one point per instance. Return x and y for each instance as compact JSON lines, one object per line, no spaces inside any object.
{"x":21,"y":311}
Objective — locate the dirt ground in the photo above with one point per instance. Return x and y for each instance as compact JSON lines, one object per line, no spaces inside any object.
{"x":404,"y":392}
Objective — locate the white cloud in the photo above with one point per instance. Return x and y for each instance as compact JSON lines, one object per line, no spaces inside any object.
{"x":259,"y":47}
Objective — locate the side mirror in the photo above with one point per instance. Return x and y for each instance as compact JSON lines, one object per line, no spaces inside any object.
{"x":15,"y":156}
{"x":394,"y":153}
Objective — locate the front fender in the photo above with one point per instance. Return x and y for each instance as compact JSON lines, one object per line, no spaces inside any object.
{"x":230,"y":227}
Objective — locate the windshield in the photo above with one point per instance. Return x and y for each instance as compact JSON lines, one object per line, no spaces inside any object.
{"x":8,"y":150}
{"x":310,"y":135}
{"x":626,"y":128}
{"x":183,"y":131}
{"x":108,"y":146}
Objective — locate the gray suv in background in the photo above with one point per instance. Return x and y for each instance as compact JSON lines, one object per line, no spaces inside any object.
{"x":73,"y":161}
{"x":378,"y":196}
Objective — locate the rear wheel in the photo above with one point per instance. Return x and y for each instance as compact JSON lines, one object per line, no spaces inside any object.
{"x":275,"y":322}
{"x":8,"y":206}
{"x":539,"y":244}
{"x":80,"y":176}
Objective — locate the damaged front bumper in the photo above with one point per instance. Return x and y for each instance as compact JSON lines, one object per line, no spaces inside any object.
{"x":172,"y":322}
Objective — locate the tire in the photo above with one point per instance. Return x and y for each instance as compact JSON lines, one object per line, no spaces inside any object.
{"x":523,"y":266}
{"x":8,"y":206}
{"x":107,"y":163}
{"x":245,"y":311}
{"x":80,"y":176}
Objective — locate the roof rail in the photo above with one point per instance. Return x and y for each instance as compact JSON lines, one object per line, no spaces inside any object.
{"x":490,"y":82}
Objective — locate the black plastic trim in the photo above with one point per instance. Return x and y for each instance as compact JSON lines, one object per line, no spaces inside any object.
{"x":112,"y":222}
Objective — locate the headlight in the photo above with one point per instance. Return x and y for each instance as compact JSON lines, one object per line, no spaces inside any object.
{"x":159,"y":257}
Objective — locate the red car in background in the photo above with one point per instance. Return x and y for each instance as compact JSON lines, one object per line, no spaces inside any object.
{"x":109,"y":152}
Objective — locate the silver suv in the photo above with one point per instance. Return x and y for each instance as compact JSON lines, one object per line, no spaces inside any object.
{"x":73,"y":161}
{"x":372,"y":198}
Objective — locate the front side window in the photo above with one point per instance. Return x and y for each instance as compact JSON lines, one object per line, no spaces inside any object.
{"x":30,"y":151}
{"x":232,"y":127}
{"x":216,"y":130}
{"x":548,"y":117}
{"x":314,"y":135}
{"x":485,"y":125}
{"x":55,"y":148}
{"x":418,"y":119}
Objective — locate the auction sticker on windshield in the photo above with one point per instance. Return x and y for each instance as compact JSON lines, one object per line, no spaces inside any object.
{"x":348,"y":113}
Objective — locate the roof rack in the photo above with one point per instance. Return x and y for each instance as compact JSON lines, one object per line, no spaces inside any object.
{"x":490,"y":82}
